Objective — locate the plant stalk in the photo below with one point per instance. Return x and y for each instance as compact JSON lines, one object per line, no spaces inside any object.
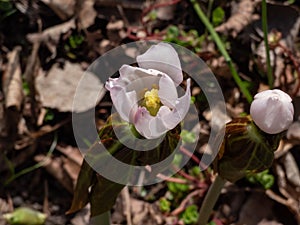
{"x":210,"y":200}
{"x":264,"y":21}
{"x":222,"y":49}
{"x":103,"y":219}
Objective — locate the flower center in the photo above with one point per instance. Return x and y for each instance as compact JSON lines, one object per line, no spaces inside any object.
{"x":152,"y":101}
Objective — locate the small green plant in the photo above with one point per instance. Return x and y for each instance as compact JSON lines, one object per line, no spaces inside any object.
{"x":177,"y":188}
{"x":49,"y":115}
{"x":190,"y":215}
{"x":26,"y":88}
{"x":187,"y":136}
{"x":6,"y":9}
{"x":189,"y":39}
{"x":263,"y":178}
{"x":218,"y":16}
{"x":73,"y":43}
{"x":164,"y":205}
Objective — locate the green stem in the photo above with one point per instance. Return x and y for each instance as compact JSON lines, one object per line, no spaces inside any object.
{"x":35,"y":166}
{"x":265,"y":30}
{"x":103,"y":219}
{"x":210,"y":200}
{"x":222,"y":49}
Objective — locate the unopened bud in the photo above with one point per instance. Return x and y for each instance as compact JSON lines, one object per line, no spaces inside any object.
{"x":272,"y":111}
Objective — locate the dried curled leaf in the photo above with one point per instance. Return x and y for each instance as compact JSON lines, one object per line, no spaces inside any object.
{"x":12,"y":80}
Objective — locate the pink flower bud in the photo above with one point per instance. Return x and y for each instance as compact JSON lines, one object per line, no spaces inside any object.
{"x":272,"y":111}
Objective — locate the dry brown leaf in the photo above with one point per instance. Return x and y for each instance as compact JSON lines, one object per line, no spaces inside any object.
{"x":12,"y":80}
{"x":87,"y":13}
{"x":291,"y":170}
{"x":291,"y":199}
{"x":63,"y":8}
{"x":115,"y":31}
{"x":293,"y":133}
{"x":72,"y":153}
{"x":255,"y":209}
{"x":166,"y":12}
{"x":55,"y":166}
{"x":71,"y":168}
{"x":144,"y":213}
{"x":82,"y":217}
{"x":57,"y":88}
{"x":51,"y":36}
{"x":52,"y":33}
{"x":5,"y":206}
{"x":242,"y":15}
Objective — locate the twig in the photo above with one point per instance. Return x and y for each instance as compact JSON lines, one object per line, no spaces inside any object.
{"x":158,"y":5}
{"x":126,"y":204}
{"x":189,"y":154}
{"x":172,"y":179}
{"x":185,"y":201}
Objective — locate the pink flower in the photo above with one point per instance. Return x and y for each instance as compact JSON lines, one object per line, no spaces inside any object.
{"x":272,"y":111}
{"x":146,"y":96}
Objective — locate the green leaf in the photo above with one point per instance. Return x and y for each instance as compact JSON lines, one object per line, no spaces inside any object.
{"x":195,"y":171}
{"x":164,"y":205}
{"x":177,"y":188}
{"x":103,"y":195}
{"x":190,"y":215}
{"x":263,"y":178}
{"x":187,"y":136}
{"x":104,"y":192}
{"x":25,"y":216}
{"x":49,"y":115}
{"x":218,"y":16}
{"x":6,"y":5}
{"x":86,"y":178}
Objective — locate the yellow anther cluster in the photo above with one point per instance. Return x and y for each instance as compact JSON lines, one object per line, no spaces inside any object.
{"x":152,"y":101}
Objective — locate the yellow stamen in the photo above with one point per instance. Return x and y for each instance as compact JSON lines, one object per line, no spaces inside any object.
{"x":152,"y":101}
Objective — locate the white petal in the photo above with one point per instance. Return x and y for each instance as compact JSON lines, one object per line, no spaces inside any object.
{"x":272,"y":111}
{"x":125,"y":91}
{"x":151,"y":126}
{"x":124,"y":102}
{"x":135,"y":78}
{"x":155,"y":126}
{"x":181,"y":108}
{"x":162,"y":57}
{"x":167,"y":92}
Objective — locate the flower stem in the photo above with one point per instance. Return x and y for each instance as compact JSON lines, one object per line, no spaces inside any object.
{"x":103,"y":219}
{"x":210,"y":200}
{"x":265,"y":30}
{"x":222,"y":49}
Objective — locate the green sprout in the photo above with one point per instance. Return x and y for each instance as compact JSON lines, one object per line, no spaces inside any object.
{"x":187,"y":136}
{"x":190,"y":215}
{"x":218,"y":16}
{"x":188,"y":39}
{"x":263,"y":178}
{"x":6,"y":9}
{"x":164,"y":205}
{"x":73,"y":43}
